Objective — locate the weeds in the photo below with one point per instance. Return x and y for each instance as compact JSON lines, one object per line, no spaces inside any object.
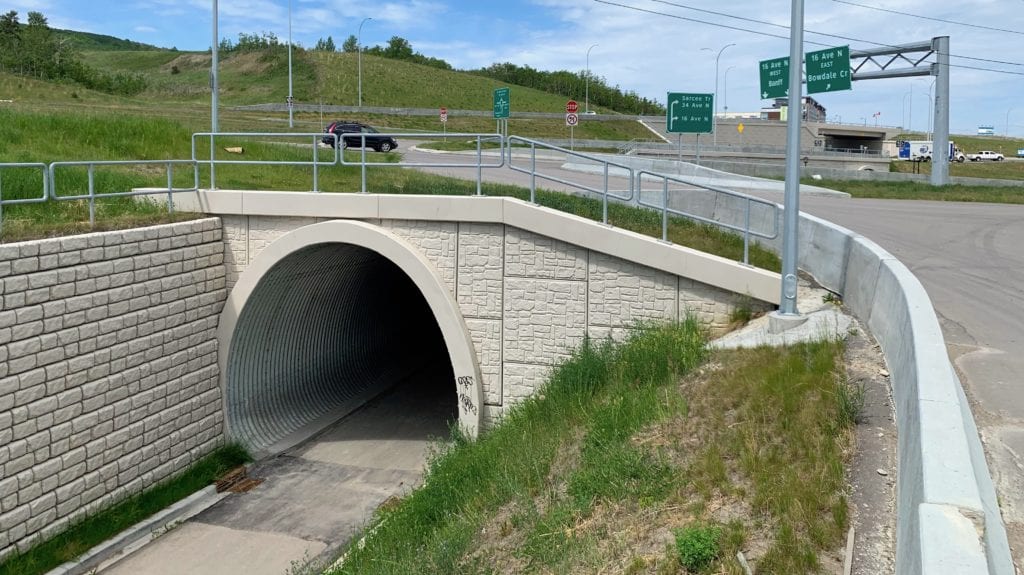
{"x":697,"y":546}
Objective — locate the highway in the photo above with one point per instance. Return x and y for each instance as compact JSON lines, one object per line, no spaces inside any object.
{"x":968,"y":256}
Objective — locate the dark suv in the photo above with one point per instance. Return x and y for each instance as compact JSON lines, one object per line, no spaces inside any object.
{"x":348,"y":133}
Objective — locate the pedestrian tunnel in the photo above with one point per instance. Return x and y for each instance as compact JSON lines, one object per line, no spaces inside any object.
{"x":329,"y":316}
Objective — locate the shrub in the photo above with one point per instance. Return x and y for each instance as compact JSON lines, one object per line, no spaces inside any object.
{"x":697,"y":546}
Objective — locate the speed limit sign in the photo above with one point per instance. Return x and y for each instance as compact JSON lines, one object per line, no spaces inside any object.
{"x":571,"y":119}
{"x":444,"y":114}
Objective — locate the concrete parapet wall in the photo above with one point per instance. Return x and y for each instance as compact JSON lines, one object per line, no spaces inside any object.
{"x":108,"y":369}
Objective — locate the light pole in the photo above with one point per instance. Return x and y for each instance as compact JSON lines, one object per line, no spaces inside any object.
{"x":725,"y":90}
{"x":931,"y":113}
{"x":586,"y":101}
{"x":714,"y":118}
{"x":903,"y":109}
{"x":291,"y":122}
{"x":359,"y":50}
{"x":213,"y":96}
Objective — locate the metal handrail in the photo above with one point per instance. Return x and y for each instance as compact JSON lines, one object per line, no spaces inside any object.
{"x":479,"y":164}
{"x":91,"y":195}
{"x":534,"y":174}
{"x":744,"y":230}
{"x":213,"y":161}
{"x":46,"y":186}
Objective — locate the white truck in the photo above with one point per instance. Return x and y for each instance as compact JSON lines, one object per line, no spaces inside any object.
{"x":921,"y":151}
{"x":986,"y":155}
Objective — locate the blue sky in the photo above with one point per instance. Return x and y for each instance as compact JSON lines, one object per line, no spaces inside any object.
{"x":649,"y":53}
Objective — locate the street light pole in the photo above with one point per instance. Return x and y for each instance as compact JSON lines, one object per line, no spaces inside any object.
{"x":291,"y":122}
{"x":359,"y":50}
{"x":714,"y":118}
{"x":586,"y":104}
{"x":213,"y":96}
{"x":725,"y":90}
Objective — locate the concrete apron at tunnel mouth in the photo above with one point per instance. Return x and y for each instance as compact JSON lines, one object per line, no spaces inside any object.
{"x":315,"y":496}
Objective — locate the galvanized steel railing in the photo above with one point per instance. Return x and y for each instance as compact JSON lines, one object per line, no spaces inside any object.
{"x":534,"y":173}
{"x":317,"y":137}
{"x":479,"y":164}
{"x":91,"y":194}
{"x":9,"y":202}
{"x":633,"y":194}
{"x":747,"y":201}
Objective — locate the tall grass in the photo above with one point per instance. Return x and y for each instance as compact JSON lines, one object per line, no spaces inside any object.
{"x":602,"y":392}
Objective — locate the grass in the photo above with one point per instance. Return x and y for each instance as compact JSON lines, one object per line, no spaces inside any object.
{"x":627,"y":444}
{"x":1005,"y":170}
{"x":923,"y":191}
{"x":99,"y":527}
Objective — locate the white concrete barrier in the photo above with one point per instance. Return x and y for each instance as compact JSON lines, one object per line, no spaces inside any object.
{"x":948,"y":518}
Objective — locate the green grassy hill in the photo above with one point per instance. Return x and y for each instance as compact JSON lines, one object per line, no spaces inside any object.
{"x":89,"y":41}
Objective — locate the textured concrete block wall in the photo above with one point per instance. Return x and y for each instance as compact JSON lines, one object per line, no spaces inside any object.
{"x":108,"y":369}
{"x":527,"y":299}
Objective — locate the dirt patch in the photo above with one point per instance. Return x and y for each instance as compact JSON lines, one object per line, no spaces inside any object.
{"x":872,"y":471}
{"x":188,"y":62}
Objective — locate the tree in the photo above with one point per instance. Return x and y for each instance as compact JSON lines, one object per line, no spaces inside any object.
{"x":329,"y":45}
{"x":10,"y":40}
{"x":38,"y":45}
{"x":398,"y":48}
{"x":351,"y":44}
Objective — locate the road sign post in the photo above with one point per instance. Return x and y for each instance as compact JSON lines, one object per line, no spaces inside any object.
{"x":571,"y":107}
{"x":774,"y":78}
{"x":828,"y":70}
{"x":571,"y":120}
{"x":689,"y":113}
{"x":444,"y":122}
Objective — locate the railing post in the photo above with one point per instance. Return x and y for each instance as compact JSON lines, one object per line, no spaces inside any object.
{"x":2,"y":198}
{"x":604,"y":217}
{"x":533,"y":170}
{"x":316,"y":156}
{"x":664,"y":208}
{"x":170,"y":188}
{"x":479,"y":166}
{"x":213,"y":178}
{"x":92,"y":198}
{"x":362,"y":155}
{"x":746,"y":236}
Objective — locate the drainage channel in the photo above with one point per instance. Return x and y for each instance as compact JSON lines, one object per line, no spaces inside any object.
{"x":305,"y":504}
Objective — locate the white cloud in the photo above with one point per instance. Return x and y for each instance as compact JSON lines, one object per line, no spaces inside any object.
{"x":145,"y":29}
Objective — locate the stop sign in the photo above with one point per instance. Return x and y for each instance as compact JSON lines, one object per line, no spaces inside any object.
{"x":571,"y":106}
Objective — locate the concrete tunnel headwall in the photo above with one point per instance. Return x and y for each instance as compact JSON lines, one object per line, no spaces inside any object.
{"x":325,"y":318}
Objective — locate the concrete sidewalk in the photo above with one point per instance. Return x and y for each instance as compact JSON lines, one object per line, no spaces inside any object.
{"x":313,"y":498}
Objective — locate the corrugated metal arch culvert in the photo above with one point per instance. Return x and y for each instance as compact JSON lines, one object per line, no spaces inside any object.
{"x":294,"y":260}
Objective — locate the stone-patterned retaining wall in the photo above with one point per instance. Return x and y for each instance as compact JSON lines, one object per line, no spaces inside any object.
{"x":108,"y":368}
{"x":527,"y":299}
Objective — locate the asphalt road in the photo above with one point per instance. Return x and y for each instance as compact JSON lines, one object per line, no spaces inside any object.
{"x":969,"y":258}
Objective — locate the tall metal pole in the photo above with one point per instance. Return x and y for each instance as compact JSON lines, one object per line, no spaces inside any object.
{"x":725,"y":90}
{"x":714,"y":118}
{"x":359,"y":50}
{"x":291,"y":122}
{"x":940,"y":152}
{"x":791,"y":216}
{"x":586,"y":101}
{"x":213,"y":95}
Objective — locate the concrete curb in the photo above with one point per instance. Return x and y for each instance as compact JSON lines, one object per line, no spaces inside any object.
{"x":948,"y":518}
{"x":138,"y":535}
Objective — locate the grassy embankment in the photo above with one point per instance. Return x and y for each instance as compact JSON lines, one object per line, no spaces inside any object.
{"x":636,"y":459}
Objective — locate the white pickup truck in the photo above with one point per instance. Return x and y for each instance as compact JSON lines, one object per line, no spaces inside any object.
{"x":985,"y":155}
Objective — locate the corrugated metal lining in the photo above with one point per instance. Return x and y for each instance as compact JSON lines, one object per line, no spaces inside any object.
{"x":329,"y":324}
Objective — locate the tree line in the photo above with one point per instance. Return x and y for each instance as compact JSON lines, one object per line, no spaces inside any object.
{"x":32,"y":49}
{"x":562,"y":82}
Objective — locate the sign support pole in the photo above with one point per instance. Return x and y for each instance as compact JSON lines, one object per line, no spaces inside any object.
{"x":791,"y":214}
{"x":698,"y":148}
{"x":680,"y":147}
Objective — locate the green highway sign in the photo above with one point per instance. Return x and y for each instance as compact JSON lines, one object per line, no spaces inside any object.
{"x":775,"y":78}
{"x":828,"y":70}
{"x":689,"y":113}
{"x":502,"y":103}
